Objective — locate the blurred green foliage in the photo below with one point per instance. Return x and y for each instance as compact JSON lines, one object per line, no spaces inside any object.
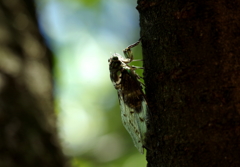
{"x":82,"y":35}
{"x":89,"y":3}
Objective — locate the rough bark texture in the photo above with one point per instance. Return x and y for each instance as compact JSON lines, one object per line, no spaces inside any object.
{"x":27,"y":133}
{"x":191,"y":58}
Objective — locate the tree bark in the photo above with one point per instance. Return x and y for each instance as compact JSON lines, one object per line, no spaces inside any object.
{"x":27,"y":134}
{"x":191,"y":59}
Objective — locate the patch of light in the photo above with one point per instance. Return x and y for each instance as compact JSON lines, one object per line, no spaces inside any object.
{"x":92,"y":63}
{"x":79,"y":130}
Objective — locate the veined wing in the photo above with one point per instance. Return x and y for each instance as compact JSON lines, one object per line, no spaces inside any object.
{"x":133,"y":107}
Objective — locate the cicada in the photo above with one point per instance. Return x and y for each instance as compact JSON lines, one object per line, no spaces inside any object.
{"x":131,"y":96}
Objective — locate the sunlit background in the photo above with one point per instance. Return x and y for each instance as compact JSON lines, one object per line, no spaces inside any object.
{"x":83,"y":34}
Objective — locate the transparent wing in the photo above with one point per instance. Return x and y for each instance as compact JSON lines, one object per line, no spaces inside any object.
{"x":133,"y":107}
{"x":131,"y":124}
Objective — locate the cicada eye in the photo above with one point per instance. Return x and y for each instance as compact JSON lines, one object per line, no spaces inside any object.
{"x":115,"y":58}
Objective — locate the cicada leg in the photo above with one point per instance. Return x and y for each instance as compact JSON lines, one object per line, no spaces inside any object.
{"x":138,"y":60}
{"x":136,"y":67}
{"x":128,"y":53}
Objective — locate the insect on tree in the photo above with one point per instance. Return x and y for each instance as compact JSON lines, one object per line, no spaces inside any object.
{"x":130,"y":94}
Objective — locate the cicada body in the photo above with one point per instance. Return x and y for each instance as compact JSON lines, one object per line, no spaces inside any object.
{"x":131,"y":96}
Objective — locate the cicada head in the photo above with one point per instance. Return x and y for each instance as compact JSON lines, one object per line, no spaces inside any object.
{"x":115,"y":68}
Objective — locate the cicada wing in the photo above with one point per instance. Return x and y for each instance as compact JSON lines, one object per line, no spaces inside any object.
{"x":141,"y":119}
{"x":131,"y":124}
{"x":133,"y":107}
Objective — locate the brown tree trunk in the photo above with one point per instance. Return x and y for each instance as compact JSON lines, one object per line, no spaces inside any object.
{"x":27,"y":134}
{"x":192,"y":62}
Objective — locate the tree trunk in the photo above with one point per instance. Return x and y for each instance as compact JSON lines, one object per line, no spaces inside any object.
{"x":191,"y":58}
{"x":27,"y":135}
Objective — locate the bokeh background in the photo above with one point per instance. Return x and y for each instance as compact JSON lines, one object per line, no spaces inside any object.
{"x":82,"y":35}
